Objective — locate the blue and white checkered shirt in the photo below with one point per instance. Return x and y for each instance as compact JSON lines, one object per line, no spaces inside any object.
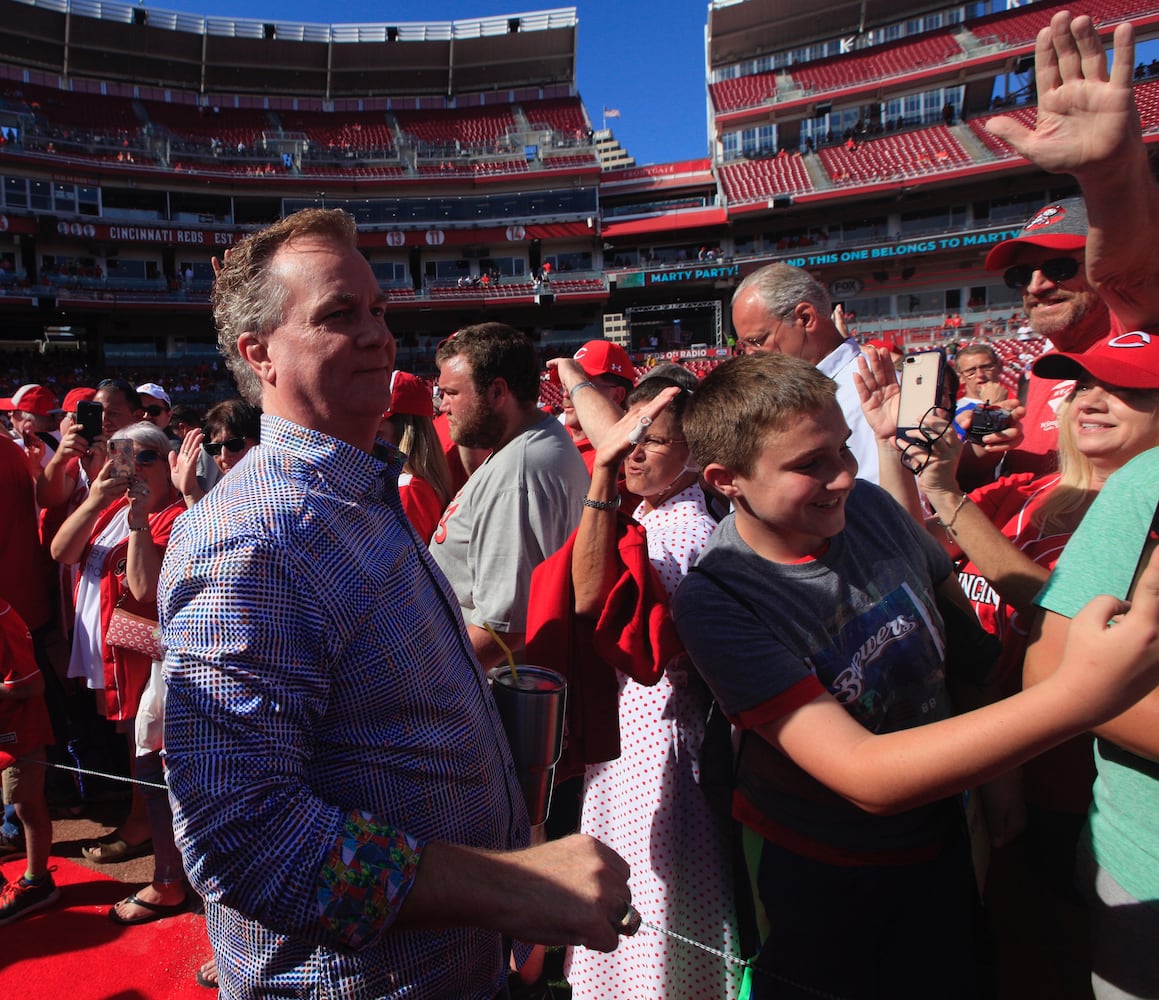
{"x":325,"y":719}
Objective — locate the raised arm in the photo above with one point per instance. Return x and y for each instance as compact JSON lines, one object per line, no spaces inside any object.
{"x":594,"y":564}
{"x":68,"y":544}
{"x":876,"y":382}
{"x":1015,"y":576}
{"x":1108,"y":660}
{"x":1088,"y":126}
{"x":1137,"y":729}
{"x":595,"y":412}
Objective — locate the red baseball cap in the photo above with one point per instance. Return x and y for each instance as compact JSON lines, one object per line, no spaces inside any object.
{"x":81,"y":394}
{"x":1129,"y":360}
{"x":31,"y":399}
{"x":409,"y":394}
{"x":602,"y":357}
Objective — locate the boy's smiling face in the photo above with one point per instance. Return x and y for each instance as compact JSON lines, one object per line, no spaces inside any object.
{"x":795,"y":498}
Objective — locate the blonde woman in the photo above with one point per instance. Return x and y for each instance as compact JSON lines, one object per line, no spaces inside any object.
{"x":408,"y":424}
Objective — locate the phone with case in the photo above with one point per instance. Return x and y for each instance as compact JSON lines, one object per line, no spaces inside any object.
{"x":922,"y":387}
{"x":90,"y":416}
{"x":121,"y":455}
{"x":1150,"y":543}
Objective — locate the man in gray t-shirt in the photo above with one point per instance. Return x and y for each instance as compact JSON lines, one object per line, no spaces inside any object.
{"x":522,"y":503}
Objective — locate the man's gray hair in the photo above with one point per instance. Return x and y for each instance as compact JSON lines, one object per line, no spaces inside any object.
{"x":248,"y":296}
{"x":780,"y":288}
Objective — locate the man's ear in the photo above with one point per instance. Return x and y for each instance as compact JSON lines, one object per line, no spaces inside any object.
{"x":254,"y":351}
{"x":807,"y":315}
{"x":722,"y":479}
{"x":498,"y":389}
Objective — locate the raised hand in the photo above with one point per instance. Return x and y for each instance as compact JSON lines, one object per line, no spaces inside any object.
{"x":1086,"y":117}
{"x":627,"y":433}
{"x":183,"y":467}
{"x":877,"y":388}
{"x":1112,"y":646}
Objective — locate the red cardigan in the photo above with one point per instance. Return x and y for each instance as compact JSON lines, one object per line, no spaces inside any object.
{"x":634,"y":634}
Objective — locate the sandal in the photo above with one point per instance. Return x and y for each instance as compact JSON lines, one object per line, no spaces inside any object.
{"x":111,"y":848}
{"x":154,"y":911}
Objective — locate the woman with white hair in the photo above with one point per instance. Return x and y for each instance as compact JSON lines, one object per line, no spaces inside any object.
{"x":117,"y":537}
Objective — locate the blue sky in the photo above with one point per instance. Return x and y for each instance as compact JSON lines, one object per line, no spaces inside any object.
{"x":642,"y":57}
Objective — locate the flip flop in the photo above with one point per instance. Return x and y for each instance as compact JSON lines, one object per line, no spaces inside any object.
{"x":155,"y":911}
{"x":111,"y":848}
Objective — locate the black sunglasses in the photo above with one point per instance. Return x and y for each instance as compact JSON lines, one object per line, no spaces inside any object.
{"x":233,"y":446}
{"x":1054,"y":270}
{"x":154,"y":411}
{"x":146,"y":457}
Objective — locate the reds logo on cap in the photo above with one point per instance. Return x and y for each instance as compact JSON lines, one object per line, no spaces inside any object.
{"x":1049,"y":216}
{"x":1127,"y":341}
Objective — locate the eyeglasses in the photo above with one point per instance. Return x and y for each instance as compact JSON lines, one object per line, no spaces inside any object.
{"x":757,"y":342}
{"x":655,"y":445}
{"x":971,"y":372}
{"x":232,"y":445}
{"x":154,"y":411}
{"x":919,"y":441}
{"x":146,"y":457}
{"x":1055,"y":270}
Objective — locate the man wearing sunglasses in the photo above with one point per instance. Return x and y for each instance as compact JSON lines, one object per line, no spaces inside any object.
{"x":1046,"y":263}
{"x":157,"y":407}
{"x":1084,"y":264}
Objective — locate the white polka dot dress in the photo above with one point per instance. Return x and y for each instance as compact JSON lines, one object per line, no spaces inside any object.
{"x":647,"y":806}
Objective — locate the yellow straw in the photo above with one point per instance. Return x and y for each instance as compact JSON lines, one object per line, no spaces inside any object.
{"x":506,"y":651}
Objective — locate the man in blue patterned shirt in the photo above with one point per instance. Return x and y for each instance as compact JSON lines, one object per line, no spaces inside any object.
{"x":343,"y":797}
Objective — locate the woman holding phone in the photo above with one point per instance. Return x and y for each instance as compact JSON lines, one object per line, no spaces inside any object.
{"x":117,"y":538}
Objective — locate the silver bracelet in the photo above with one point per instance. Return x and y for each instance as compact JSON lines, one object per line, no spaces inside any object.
{"x":949,"y":525}
{"x":144,"y":527}
{"x":603,"y":504}
{"x":579,"y":385}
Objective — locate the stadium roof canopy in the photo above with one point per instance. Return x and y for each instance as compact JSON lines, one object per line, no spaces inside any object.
{"x":107,"y":40}
{"x":744,"y":29}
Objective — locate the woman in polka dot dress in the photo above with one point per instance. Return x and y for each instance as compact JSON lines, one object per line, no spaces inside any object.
{"x":647,"y":804}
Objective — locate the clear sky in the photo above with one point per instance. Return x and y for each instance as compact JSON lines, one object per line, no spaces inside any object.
{"x":644,"y":58}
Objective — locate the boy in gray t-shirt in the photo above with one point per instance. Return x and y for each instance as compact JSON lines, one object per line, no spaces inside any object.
{"x":813,"y":616}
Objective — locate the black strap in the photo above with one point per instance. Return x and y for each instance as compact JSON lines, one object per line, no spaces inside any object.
{"x":746,"y":914}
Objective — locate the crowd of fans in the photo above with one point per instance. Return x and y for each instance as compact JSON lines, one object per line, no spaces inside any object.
{"x":798,"y":621}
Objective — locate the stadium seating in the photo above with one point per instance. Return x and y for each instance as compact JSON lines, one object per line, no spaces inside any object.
{"x":908,"y":154}
{"x":341,"y":132}
{"x":565,"y":114}
{"x":743,"y":91}
{"x":471,"y":127}
{"x":911,"y":55}
{"x":758,"y":180}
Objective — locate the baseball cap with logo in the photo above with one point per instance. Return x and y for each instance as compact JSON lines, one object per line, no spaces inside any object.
{"x":409,"y":394}
{"x":1128,"y":360}
{"x":1061,"y":225}
{"x":154,"y":390}
{"x":31,"y":399}
{"x":602,"y":357}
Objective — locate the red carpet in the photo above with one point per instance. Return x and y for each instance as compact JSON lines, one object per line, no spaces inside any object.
{"x":73,"y":951}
